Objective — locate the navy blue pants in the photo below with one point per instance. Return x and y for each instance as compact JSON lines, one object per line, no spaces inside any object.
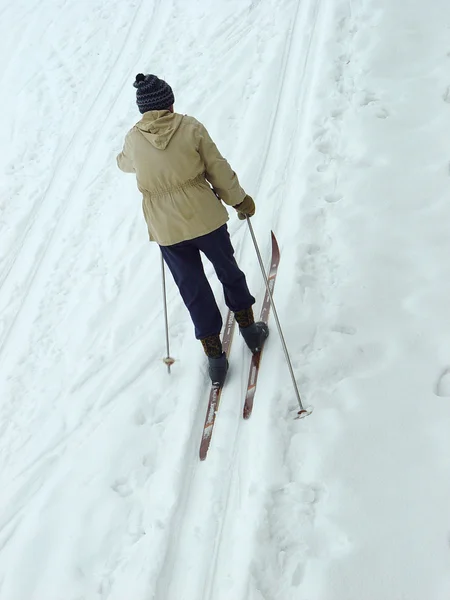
{"x":185,"y":264}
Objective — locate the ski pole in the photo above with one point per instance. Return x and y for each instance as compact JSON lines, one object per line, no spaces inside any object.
{"x":168,"y":360}
{"x":303,"y":412}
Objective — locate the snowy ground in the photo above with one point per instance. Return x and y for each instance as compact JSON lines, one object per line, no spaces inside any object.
{"x":336,"y":114}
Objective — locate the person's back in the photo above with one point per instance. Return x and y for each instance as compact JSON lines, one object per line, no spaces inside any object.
{"x":174,"y":158}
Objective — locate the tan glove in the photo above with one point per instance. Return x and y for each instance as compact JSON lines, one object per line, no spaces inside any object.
{"x":246,"y":208}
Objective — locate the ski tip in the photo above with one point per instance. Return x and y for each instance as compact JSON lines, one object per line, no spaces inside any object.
{"x":304,"y":412}
{"x":275,"y":246}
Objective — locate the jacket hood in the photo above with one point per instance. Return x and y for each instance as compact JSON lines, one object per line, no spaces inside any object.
{"x":159,"y":126}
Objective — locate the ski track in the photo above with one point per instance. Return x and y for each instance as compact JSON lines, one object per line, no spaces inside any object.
{"x":60,"y":173}
{"x":104,"y":495}
{"x":73,"y":149}
{"x":207,"y":581}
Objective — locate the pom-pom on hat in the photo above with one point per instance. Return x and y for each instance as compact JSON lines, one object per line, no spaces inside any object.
{"x":152,"y":93}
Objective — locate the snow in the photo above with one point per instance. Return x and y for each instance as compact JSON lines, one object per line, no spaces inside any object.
{"x":335,"y":115}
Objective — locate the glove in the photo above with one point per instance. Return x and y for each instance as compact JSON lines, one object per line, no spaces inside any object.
{"x":246,"y":208}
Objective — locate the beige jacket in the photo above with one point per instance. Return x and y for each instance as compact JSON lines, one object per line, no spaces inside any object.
{"x":174,"y":159}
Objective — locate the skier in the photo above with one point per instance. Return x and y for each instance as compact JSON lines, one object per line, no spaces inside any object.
{"x":184,"y":179}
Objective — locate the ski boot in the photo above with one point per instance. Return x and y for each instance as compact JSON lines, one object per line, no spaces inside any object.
{"x":254,"y":334}
{"x":218,"y":363}
{"x":218,"y":368}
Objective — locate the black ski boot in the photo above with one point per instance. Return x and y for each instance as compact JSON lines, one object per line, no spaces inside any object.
{"x":218,"y":368}
{"x":254,"y":334}
{"x":218,"y":364}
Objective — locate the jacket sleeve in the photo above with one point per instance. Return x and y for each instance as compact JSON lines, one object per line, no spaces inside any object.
{"x":218,"y":172}
{"x":124,"y":161}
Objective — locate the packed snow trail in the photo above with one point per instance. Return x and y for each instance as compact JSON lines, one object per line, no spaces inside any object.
{"x":332,"y":113}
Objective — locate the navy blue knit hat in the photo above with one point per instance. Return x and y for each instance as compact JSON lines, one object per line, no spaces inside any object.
{"x":152,"y":93}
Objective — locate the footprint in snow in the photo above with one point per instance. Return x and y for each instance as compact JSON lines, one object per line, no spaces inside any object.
{"x":346,"y":330}
{"x":442,"y":387}
{"x":368,"y":98}
{"x":320,"y":132}
{"x":140,"y":418}
{"x":322,"y":167}
{"x":446,"y":95}
{"x":382,"y":113}
{"x":136,"y":524}
{"x":332,"y":198}
{"x":324,"y":147}
{"x":150,"y":461}
{"x":312,"y":493}
{"x":122,"y":487}
{"x":313,"y":249}
{"x":297,"y":576}
{"x":337,"y":113}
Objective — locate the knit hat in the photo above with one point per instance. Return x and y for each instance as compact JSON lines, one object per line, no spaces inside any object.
{"x":152,"y":93}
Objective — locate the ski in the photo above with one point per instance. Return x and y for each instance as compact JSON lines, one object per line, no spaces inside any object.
{"x":265,"y":311}
{"x":216,"y":391}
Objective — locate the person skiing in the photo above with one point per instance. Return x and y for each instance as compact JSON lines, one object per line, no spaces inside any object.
{"x":184,"y":181}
